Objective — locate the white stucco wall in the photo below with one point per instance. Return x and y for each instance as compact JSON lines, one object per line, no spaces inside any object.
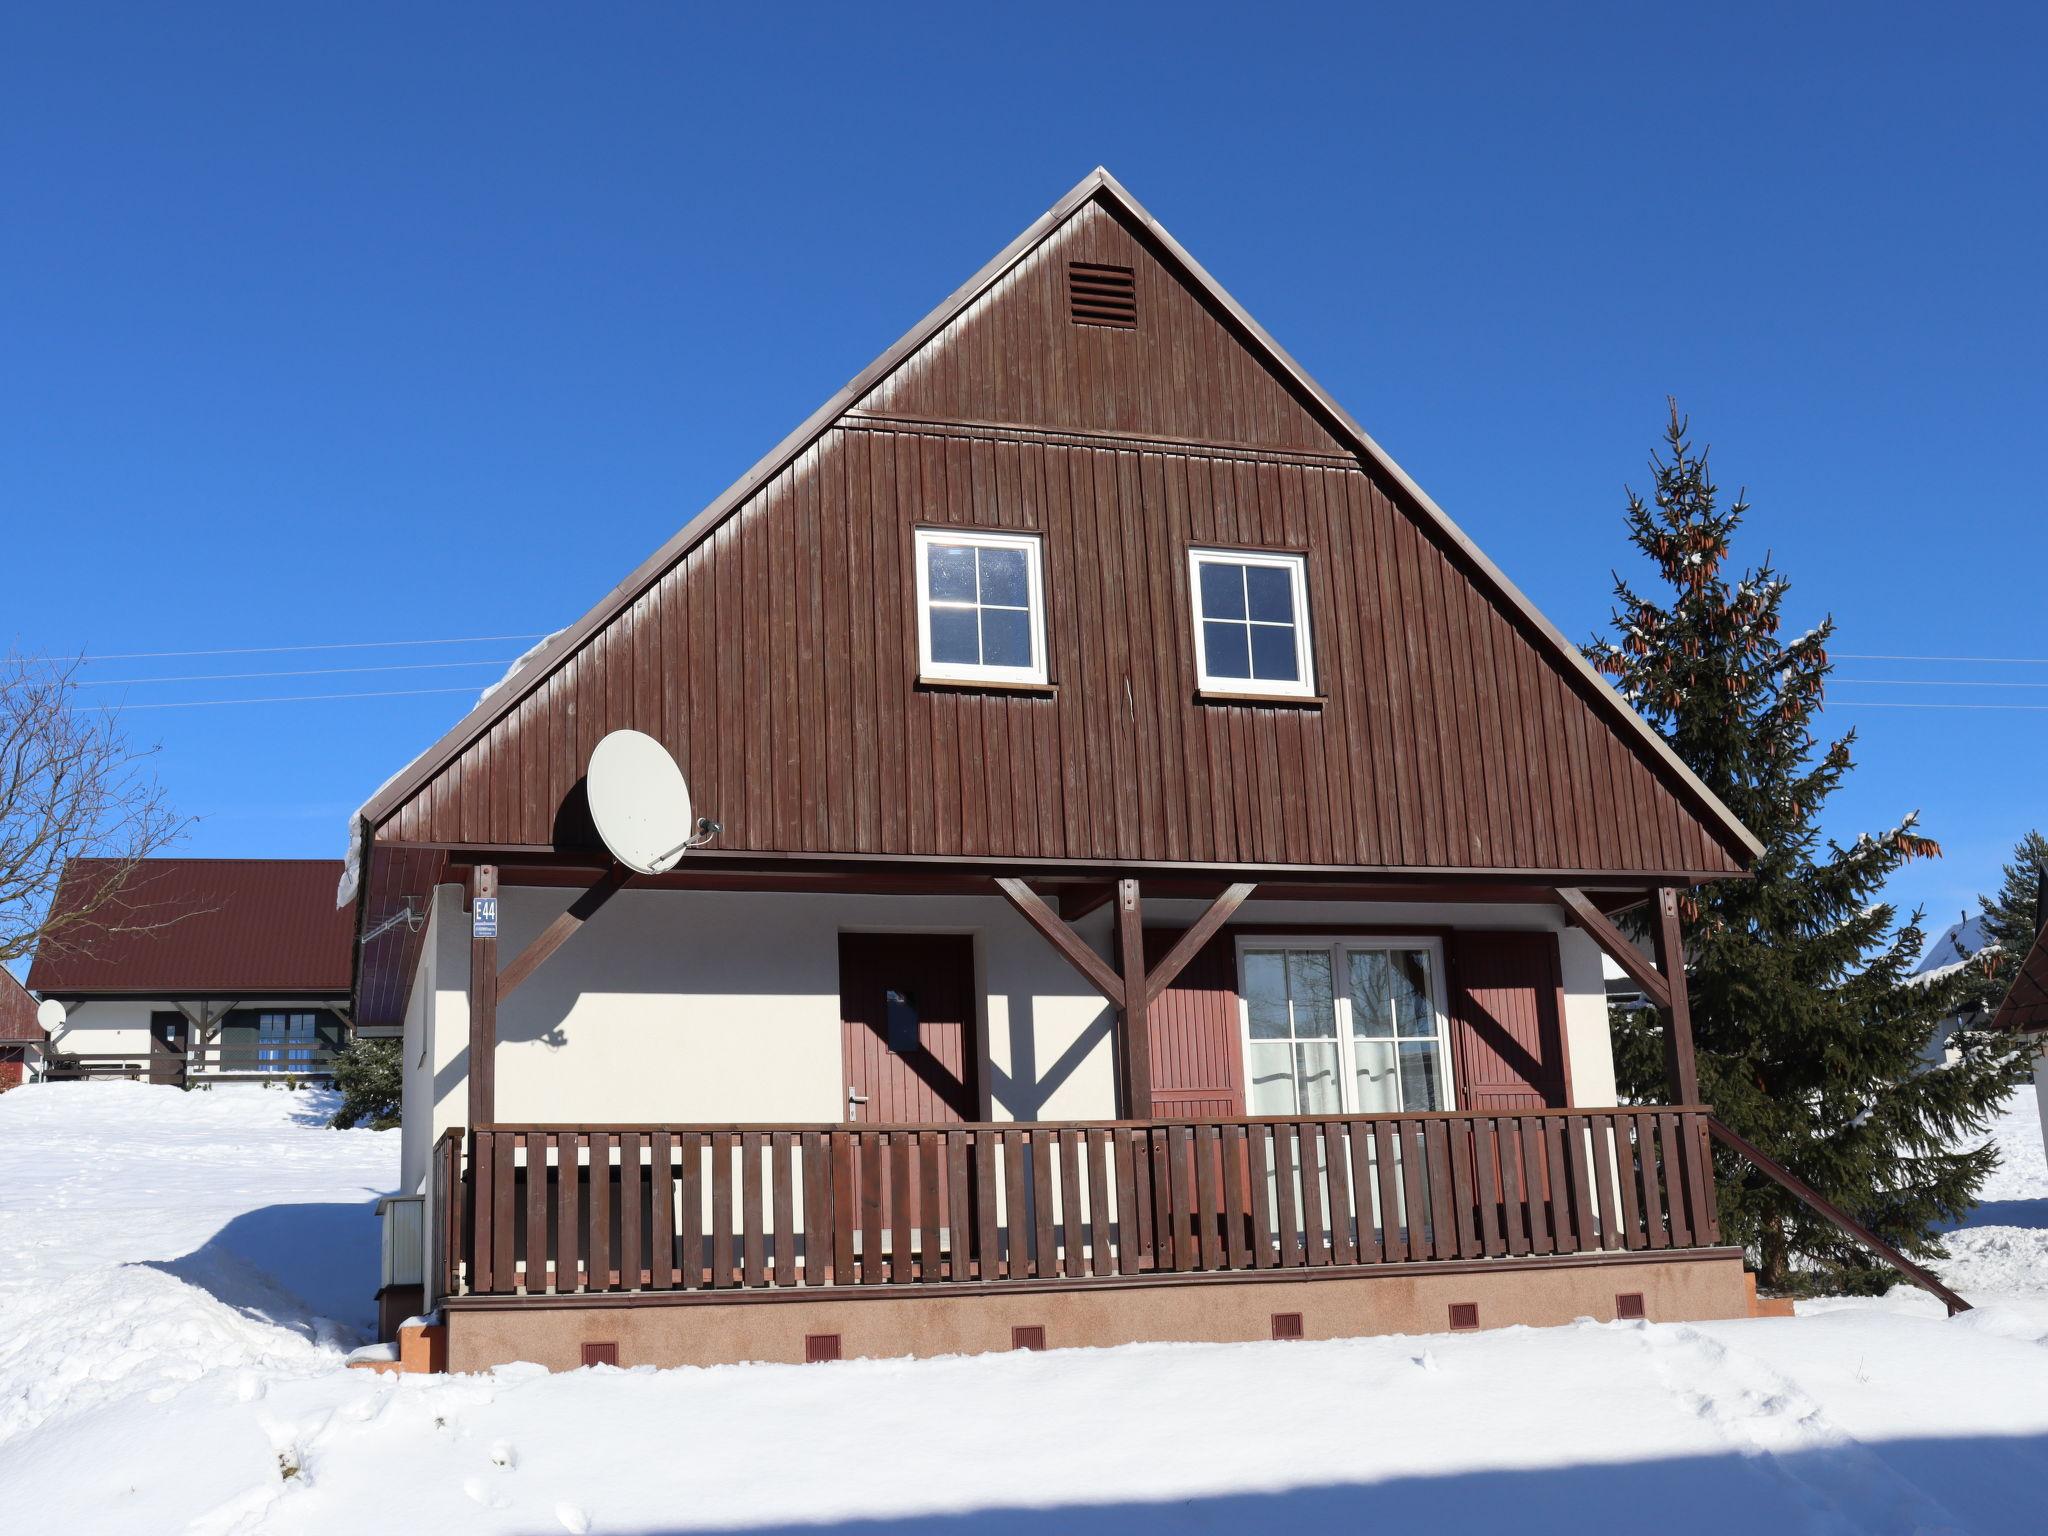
{"x":113,"y":1028}
{"x":720,"y":1007}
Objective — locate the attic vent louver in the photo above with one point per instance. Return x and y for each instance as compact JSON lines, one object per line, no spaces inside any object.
{"x":1099,"y":295}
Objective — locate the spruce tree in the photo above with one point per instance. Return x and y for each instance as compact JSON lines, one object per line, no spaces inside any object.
{"x":1808,"y":1027}
{"x":2012,"y":917}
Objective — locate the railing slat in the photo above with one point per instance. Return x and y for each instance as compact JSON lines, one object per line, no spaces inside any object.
{"x":1443,"y":1226}
{"x":503,"y":1218}
{"x":1583,"y":1218}
{"x":1414,"y":1190}
{"x":1514,"y":1210}
{"x":661,"y":1208}
{"x":600,"y":1211}
{"x":845,"y":1202}
{"x":1237,"y":1247}
{"x":1129,"y":1245}
{"x":1604,"y":1188}
{"x":1566,"y":1233}
{"x":902,"y":1157}
{"x":1343,"y":1241}
{"x":1677,"y":1200}
{"x":631,"y":1253}
{"x":1208,"y":1149}
{"x":1486,"y":1169}
{"x":1046,"y":1255}
{"x":1075,"y":1261}
{"x":569,"y":1212}
{"x":782,"y":1194}
{"x":1259,"y":1141}
{"x":753,"y":1230}
{"x":1315,"y":1242}
{"x":959,"y":1207}
{"x":1464,"y":1190}
{"x":1016,"y":1213}
{"x":817,"y":1209}
{"x":1100,"y":1261}
{"x":1165,"y":1232}
{"x":874,"y":1153}
{"x":483,"y":1206}
{"x":988,"y":1253}
{"x":1284,"y":1145}
{"x":931,"y":1215}
{"x":721,"y":1209}
{"x":690,"y":1198}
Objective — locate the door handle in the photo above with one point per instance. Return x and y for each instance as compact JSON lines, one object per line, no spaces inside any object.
{"x":854,"y":1099}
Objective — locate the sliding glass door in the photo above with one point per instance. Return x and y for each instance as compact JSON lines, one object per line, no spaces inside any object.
{"x":1343,"y":1026}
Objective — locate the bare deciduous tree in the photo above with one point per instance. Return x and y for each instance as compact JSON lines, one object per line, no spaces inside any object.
{"x":71,"y":787}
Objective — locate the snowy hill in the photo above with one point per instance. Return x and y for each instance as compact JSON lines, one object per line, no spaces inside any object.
{"x":170,"y":1263}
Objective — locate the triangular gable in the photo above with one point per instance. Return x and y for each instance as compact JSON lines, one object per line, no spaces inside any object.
{"x":1521,"y":683}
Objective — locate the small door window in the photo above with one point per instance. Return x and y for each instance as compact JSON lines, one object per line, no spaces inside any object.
{"x":900,"y":1020}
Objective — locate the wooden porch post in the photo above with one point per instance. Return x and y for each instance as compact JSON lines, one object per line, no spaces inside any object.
{"x":1680,"y":1073}
{"x":483,"y":1000}
{"x":1130,"y":929}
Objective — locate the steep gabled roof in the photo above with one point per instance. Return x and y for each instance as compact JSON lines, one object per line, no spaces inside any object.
{"x":200,"y":928}
{"x":538,"y":666}
{"x":2025,"y":1005}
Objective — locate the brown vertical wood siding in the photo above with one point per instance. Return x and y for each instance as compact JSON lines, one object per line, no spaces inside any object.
{"x":1507,"y":1029}
{"x":1197,"y":1061}
{"x":777,"y":660}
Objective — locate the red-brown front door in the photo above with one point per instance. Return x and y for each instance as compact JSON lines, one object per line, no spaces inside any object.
{"x":907,"y":1006}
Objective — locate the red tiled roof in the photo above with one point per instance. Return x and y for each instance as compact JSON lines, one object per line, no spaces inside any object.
{"x":17,"y":1011}
{"x":201,"y":928}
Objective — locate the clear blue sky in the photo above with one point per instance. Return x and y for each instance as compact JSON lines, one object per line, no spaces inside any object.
{"x":378,"y":322}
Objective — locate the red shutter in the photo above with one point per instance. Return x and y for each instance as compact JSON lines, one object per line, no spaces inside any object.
{"x":1197,"y":1062}
{"x":1507,"y":1023}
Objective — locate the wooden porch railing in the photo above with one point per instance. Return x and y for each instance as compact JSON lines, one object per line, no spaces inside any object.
{"x":203,"y":1061}
{"x":577,"y":1209}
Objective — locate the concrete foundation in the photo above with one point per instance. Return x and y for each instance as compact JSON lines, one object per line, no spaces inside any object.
{"x":668,"y":1330}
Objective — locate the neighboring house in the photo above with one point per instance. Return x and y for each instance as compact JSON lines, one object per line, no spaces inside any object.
{"x":1957,"y":947}
{"x":1162,"y":883}
{"x":200,"y":969}
{"x":2025,"y":1005}
{"x":21,"y":1037}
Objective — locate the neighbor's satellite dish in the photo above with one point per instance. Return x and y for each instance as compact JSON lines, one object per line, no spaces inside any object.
{"x":50,"y":1014}
{"x":639,"y":801}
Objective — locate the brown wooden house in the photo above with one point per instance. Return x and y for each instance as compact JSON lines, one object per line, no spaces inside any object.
{"x":1162,"y":875}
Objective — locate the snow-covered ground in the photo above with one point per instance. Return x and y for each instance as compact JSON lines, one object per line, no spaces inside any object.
{"x":167,"y":1262}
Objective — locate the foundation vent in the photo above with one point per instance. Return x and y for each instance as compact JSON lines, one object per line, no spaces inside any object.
{"x":1629,"y":1304}
{"x":1464,"y":1314}
{"x":820,"y":1346}
{"x":1286,"y":1325}
{"x":1100,"y":295}
{"x":602,"y":1352}
{"x":1032,"y":1337}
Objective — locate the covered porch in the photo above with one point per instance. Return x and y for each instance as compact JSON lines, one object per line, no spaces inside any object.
{"x":659,"y":1238}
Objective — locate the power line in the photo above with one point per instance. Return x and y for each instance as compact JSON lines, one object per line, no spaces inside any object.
{"x":2015,"y":661}
{"x":295,"y":698}
{"x":1896,"y":704}
{"x":1930,"y":682}
{"x":227,"y":677}
{"x":334,"y":645}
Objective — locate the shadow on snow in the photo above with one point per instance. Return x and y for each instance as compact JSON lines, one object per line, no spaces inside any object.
{"x":310,"y":1268}
{"x":1986,"y":1485}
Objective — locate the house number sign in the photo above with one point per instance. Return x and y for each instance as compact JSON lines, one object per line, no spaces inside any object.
{"x":484,"y":920}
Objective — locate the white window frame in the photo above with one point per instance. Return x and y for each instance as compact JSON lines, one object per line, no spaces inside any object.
{"x":1033,"y":546}
{"x":1335,"y":944}
{"x":1296,"y":566}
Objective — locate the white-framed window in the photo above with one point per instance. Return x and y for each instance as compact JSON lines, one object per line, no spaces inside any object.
{"x":285,"y":1041}
{"x":1251,"y":622}
{"x":1343,"y":1025}
{"x":980,"y":606}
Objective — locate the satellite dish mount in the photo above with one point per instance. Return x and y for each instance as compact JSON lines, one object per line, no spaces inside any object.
{"x":641,"y":804}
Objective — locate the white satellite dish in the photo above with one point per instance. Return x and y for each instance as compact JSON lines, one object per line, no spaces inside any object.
{"x":50,"y":1014}
{"x":639,"y":801}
